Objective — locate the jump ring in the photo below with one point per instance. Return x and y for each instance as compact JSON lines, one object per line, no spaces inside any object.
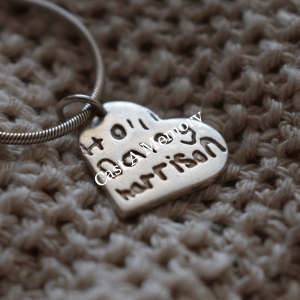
{"x":96,"y":105}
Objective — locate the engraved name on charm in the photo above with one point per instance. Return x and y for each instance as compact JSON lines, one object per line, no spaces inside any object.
{"x":192,"y":159}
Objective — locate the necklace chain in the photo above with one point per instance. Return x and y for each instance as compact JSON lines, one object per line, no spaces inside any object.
{"x":86,"y":112}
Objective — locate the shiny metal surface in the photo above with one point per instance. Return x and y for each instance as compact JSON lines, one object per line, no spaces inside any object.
{"x":86,"y":112}
{"x":191,"y":159}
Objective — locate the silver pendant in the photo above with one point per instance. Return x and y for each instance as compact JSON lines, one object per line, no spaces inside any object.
{"x":143,"y":161}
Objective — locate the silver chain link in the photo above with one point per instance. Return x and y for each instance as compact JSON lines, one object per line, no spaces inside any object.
{"x":86,"y":112}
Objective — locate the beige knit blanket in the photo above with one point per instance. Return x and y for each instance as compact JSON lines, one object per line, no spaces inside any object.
{"x":237,"y":239}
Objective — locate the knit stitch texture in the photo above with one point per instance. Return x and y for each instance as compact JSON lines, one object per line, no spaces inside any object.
{"x":237,"y":239}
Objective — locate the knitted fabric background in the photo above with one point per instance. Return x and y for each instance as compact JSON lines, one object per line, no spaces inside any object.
{"x":239,"y":238}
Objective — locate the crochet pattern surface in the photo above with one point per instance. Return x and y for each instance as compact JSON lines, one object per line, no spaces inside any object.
{"x":239,"y":238}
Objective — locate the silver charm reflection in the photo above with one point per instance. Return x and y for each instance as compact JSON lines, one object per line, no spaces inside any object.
{"x":167,"y":163}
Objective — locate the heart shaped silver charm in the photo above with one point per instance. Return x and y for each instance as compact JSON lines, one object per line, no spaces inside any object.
{"x":143,"y":161}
